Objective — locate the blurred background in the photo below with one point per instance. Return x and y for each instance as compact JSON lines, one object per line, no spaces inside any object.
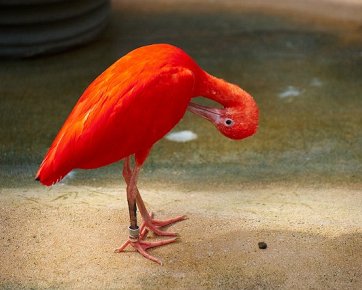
{"x":301,"y":60}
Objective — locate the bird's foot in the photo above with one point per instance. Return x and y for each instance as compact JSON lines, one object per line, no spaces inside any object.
{"x":154,"y":225}
{"x":142,"y":246}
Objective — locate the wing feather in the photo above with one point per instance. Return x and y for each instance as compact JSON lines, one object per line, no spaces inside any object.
{"x":118,"y":115}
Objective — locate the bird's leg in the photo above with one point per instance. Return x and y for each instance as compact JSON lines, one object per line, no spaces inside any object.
{"x":127,"y":173}
{"x":148,"y":221}
{"x":135,"y":240}
{"x":153,"y":224}
{"x":132,"y":207}
{"x":131,"y":198}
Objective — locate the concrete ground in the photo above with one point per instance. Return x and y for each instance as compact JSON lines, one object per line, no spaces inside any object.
{"x":296,"y":185}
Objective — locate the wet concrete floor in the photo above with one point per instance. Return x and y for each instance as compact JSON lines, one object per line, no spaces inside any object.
{"x":305,"y":79}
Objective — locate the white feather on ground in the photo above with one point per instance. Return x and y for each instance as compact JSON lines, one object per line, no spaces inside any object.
{"x":181,"y":136}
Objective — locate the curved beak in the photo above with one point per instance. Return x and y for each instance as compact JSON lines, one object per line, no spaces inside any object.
{"x":211,"y":114}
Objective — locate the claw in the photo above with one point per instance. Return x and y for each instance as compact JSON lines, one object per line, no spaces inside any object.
{"x":141,"y":246}
{"x":169,"y":221}
{"x":155,"y":225}
{"x":121,"y":248}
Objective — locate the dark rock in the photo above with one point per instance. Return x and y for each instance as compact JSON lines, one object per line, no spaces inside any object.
{"x":262,"y":245}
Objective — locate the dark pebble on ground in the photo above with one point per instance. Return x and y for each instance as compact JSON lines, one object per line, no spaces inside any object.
{"x":262,"y":245}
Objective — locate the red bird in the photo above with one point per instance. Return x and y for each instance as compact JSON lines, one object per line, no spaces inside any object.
{"x":131,"y":106}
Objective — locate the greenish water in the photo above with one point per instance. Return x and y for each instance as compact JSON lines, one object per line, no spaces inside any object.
{"x":311,"y":136}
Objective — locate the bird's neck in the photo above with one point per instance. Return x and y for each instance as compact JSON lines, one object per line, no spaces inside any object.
{"x":226,"y":94}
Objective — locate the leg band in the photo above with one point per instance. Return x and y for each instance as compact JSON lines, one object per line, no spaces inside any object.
{"x":133,"y":234}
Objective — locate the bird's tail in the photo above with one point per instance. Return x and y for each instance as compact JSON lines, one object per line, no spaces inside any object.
{"x":52,"y":169}
{"x":48,"y":175}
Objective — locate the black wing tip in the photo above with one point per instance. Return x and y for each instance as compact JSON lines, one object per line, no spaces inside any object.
{"x":37,"y":178}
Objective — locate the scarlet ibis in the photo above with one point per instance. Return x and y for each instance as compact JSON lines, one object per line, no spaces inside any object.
{"x":132,"y":105}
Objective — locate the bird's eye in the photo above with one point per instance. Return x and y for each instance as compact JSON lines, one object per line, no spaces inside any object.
{"x":229,"y":122}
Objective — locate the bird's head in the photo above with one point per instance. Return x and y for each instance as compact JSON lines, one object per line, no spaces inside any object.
{"x":237,"y":122}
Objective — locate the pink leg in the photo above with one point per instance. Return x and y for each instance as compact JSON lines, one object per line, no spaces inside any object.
{"x":137,"y":236}
{"x":142,"y":246}
{"x":153,"y":224}
{"x":148,"y":221}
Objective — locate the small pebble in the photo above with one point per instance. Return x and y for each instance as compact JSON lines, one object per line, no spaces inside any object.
{"x":262,"y":245}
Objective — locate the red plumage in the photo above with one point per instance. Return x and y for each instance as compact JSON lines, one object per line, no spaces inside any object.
{"x":124,"y":111}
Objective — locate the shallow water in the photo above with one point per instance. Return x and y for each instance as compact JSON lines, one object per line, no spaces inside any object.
{"x":305,"y":78}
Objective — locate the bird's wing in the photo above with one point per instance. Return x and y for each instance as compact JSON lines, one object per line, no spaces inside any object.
{"x":115,"y":102}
